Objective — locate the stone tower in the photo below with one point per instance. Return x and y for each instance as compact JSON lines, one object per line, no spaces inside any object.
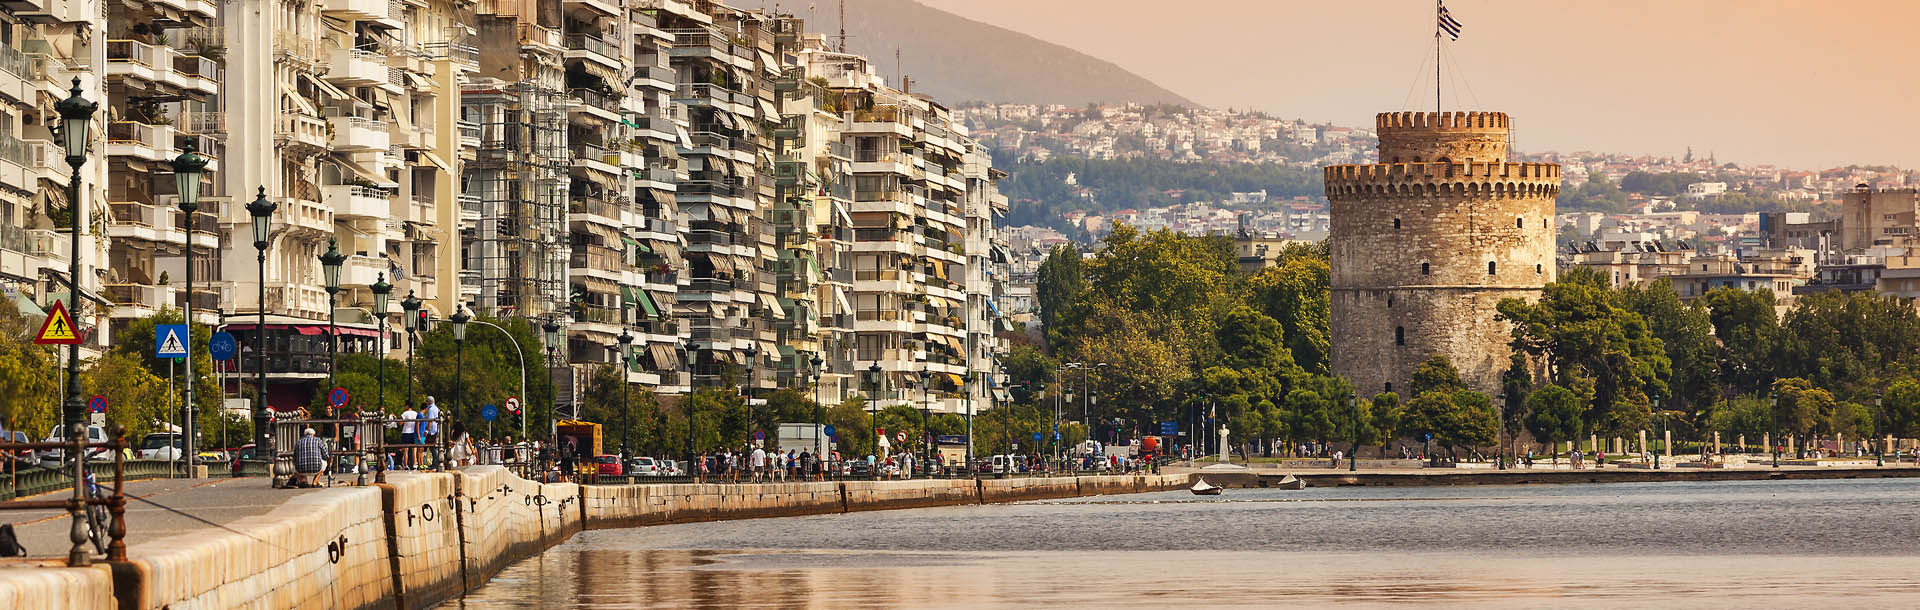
{"x":1425,"y":243}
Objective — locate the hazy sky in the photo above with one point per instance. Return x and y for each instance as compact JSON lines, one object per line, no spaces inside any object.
{"x":1797,"y":83}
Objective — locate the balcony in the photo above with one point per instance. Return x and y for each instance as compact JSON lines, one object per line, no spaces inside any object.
{"x":140,"y":140}
{"x":355,"y":67}
{"x":141,"y":222}
{"x":301,"y":130}
{"x":351,"y":201}
{"x":605,"y":8}
{"x":595,"y":206}
{"x":469,"y":134}
{"x":303,"y":218}
{"x":600,"y":105}
{"x":362,"y":270}
{"x":597,"y":257}
{"x":139,"y":60}
{"x":362,"y":10}
{"x":582,"y":46}
{"x":464,"y":55}
{"x":138,"y":300}
{"x":358,"y":134}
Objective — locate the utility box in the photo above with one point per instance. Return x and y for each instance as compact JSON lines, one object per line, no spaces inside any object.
{"x":801,"y":437}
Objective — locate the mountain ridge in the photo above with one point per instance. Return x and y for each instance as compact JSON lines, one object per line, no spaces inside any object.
{"x":956,"y":59}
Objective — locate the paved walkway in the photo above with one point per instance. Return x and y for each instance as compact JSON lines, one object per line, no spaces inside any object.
{"x":170,"y":507}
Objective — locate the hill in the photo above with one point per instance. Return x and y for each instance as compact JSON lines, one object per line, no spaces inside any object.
{"x":956,"y":59}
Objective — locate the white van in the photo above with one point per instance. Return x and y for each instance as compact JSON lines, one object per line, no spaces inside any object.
{"x":95,"y":434}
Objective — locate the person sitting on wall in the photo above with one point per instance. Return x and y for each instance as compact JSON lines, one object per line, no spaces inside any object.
{"x":309,"y":459}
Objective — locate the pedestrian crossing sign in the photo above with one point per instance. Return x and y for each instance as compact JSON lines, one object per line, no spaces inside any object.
{"x":58,"y":329}
{"x":170,"y":341}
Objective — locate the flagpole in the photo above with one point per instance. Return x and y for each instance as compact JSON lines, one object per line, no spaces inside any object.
{"x":1436,"y":56}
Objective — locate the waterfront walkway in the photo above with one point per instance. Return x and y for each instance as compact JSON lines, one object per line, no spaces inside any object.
{"x":156,"y":509}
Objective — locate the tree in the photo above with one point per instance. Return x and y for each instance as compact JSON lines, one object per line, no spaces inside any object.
{"x":1900,"y":410}
{"x":1748,"y":416}
{"x":1028,"y":370}
{"x":1801,"y":409}
{"x":1586,"y":336}
{"x":1295,"y":293}
{"x":134,"y":341}
{"x":1386,"y":413}
{"x":29,"y":390}
{"x":1554,"y":416}
{"x":1057,"y":287}
{"x":1687,"y":334}
{"x":642,"y":425}
{"x":1821,"y":339}
{"x":136,"y":398}
{"x":1251,"y":340}
{"x":1436,"y":374}
{"x":488,"y":368}
{"x":1354,"y":423}
{"x":1745,"y":324}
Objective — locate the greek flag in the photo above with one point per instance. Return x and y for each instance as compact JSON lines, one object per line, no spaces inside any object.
{"x":1448,"y":24}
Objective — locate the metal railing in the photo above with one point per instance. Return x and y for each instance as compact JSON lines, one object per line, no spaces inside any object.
{"x":590,"y":44}
{"x":87,"y":519}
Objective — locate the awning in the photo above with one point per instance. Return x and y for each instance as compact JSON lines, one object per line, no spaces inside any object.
{"x":957,"y":380}
{"x":840,"y":209}
{"x":840,"y":296}
{"x":766,"y":251}
{"x":436,"y":161}
{"x":939,"y":269}
{"x":725,"y":120}
{"x":767,"y":349}
{"x":772,"y":115}
{"x":686,"y":141}
{"x":767,"y":63}
{"x":327,"y":89}
{"x":995,"y":308}
{"x":347,"y":163}
{"x":659,"y":196}
{"x":643,"y":248}
{"x":420,"y":83}
{"x":773,"y":306}
{"x":299,"y":102}
{"x":665,"y":249}
{"x":1000,"y":394}
{"x":595,"y":69}
{"x":664,"y":357}
{"x":720,"y":264}
{"x":646,"y":303}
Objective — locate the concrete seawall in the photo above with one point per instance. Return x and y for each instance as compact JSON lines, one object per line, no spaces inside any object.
{"x":423,"y":538}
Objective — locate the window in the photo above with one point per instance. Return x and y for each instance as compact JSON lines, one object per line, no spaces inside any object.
{"x":1425,"y":268}
{"x":1396,"y":224}
{"x":1519,"y":223}
{"x":1490,"y":267}
{"x":1389,"y":302}
{"x":1399,"y":335}
{"x":1539,"y":269}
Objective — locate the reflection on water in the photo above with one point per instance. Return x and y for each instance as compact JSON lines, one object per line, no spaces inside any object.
{"x":1714,"y":545}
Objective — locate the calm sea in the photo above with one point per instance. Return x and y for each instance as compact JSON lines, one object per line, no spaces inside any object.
{"x":1775,"y":544}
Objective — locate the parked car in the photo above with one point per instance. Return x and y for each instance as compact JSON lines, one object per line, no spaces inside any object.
{"x":859,"y":468}
{"x":161,"y":446}
{"x":609,"y":464}
{"x":643,"y":466}
{"x":95,"y":434}
{"x":672,"y":468}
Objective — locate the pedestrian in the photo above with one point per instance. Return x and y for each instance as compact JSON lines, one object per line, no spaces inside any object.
{"x":567,"y":456}
{"x":409,"y":435}
{"x":309,"y":459}
{"x":430,"y":432}
{"x":462,"y":450}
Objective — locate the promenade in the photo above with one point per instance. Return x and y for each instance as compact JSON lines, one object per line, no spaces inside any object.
{"x":422,"y":537}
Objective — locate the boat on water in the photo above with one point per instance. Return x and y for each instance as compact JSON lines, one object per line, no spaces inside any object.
{"x":1290,"y":482}
{"x":1201,"y":488}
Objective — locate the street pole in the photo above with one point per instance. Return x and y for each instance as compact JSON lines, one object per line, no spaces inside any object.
{"x":330,"y":262}
{"x":76,"y":116}
{"x":261,"y":210}
{"x":693,"y":356}
{"x":626,"y":368}
{"x":187,"y":169}
{"x":1353,"y":410}
{"x":460,"y":318}
{"x":1500,"y":433}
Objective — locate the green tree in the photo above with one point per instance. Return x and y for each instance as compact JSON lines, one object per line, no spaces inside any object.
{"x":1295,"y":293}
{"x":134,"y":341}
{"x":1687,"y":334}
{"x":1251,"y":340}
{"x":1435,"y":374}
{"x":1387,"y":414}
{"x":487,"y":366}
{"x":1028,"y":370}
{"x":1801,"y":409}
{"x":1583,"y":332}
{"x":1554,"y":416}
{"x":1900,"y":410}
{"x":1821,"y":340}
{"x":30,"y":392}
{"x":1742,"y":415}
{"x":1747,"y":328}
{"x":1058,"y":286}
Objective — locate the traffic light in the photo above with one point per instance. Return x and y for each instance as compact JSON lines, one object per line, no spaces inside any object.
{"x":422,"y":322}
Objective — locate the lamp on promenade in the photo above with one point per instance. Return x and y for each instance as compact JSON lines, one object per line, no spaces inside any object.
{"x":1879,"y":458}
{"x":187,"y":169}
{"x":460,"y":319}
{"x":818,"y":418}
{"x":746,"y":387}
{"x":626,"y":367}
{"x":76,"y":116}
{"x":873,"y":398}
{"x":261,"y":210}
{"x":693,"y":356}
{"x":551,"y":332}
{"x":1773,"y":409}
{"x":1353,"y":410}
{"x":381,"y":292}
{"x":410,"y":310}
{"x":330,"y":262}
{"x":926,"y":400}
{"x":1500,"y":432}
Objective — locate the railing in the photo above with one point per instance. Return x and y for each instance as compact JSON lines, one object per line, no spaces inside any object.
{"x":195,"y":65}
{"x":597,"y":257}
{"x":708,"y":138}
{"x":590,"y":44}
{"x":596,"y":99}
{"x":876,"y":274}
{"x":709,"y":187}
{"x":131,"y":50}
{"x":205,"y":122}
{"x":709,"y":237}
{"x":874,"y":234}
{"x":868,"y":315}
{"x":16,"y":63}
{"x":603,"y":315}
{"x":455,"y":51}
{"x":705,"y":90}
{"x":114,"y":527}
{"x":700,"y":38}
{"x":536,"y":34}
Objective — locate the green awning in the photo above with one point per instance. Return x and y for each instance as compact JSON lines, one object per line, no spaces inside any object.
{"x":643,"y":247}
{"x":647,"y":304}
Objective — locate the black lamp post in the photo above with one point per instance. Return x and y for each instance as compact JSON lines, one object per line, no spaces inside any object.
{"x":873,"y":398}
{"x":693,"y":356}
{"x":1773,"y":408}
{"x":1353,"y":410}
{"x":261,"y":210}
{"x":818,"y":417}
{"x":330,"y":262}
{"x":187,"y":169}
{"x":382,"y":291}
{"x":410,"y":310}
{"x":1879,"y":458}
{"x":626,"y":367}
{"x":76,"y":116}
{"x":552,"y":331}
{"x":1500,"y":432}
{"x":926,"y":398}
{"x":459,"y":319}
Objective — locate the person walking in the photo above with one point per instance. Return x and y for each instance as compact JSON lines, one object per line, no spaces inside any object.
{"x":430,"y":432}
{"x":759,"y":463}
{"x":409,"y":435}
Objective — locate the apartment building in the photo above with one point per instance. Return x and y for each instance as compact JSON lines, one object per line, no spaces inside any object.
{"x":44,"y":45}
{"x":348,"y":125}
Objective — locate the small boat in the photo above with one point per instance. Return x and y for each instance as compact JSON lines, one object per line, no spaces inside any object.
{"x":1290,"y":482}
{"x":1201,"y":488}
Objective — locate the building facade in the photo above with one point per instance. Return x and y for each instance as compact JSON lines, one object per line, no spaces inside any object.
{"x":1426,"y":243}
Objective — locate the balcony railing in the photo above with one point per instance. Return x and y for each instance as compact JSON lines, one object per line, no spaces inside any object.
{"x":460,"y":52}
{"x":596,"y":99}
{"x":597,"y":257}
{"x":590,"y":44}
{"x":195,"y":65}
{"x":132,"y":50}
{"x":884,"y":315}
{"x":595,"y":206}
{"x":876,"y":274}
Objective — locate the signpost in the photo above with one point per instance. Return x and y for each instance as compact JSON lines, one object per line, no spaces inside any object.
{"x":1168,"y":428}
{"x":58,"y":329}
{"x":337,"y":398}
{"x":513,"y":405}
{"x":170,"y":341}
{"x":489,"y":412}
{"x":222,"y":346}
{"x":97,"y":405}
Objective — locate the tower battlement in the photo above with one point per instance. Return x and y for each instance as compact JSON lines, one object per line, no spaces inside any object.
{"x":1416,"y":137}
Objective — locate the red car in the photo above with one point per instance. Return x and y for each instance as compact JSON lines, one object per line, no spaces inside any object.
{"x":609,"y":464}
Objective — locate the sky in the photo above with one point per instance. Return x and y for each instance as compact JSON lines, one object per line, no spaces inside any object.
{"x":1796,"y":83}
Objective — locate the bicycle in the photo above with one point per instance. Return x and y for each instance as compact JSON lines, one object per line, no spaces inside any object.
{"x":97,"y":516}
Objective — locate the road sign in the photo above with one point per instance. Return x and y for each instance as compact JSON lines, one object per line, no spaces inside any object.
{"x":1036,"y":437}
{"x":900,"y":436}
{"x":337,"y":398}
{"x":221,"y":346}
{"x":97,"y":405}
{"x":489,"y":412}
{"x":1169,"y":428}
{"x":1426,"y":437}
{"x":829,"y":430}
{"x":513,"y":405}
{"x":759,"y":435}
{"x":58,"y":329}
{"x":170,"y":341}
{"x":1056,"y":435}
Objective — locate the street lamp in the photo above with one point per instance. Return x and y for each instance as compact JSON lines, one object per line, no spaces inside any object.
{"x":382,"y":291}
{"x":873,"y":398}
{"x":626,"y":367}
{"x":76,"y":116}
{"x":1500,"y":432}
{"x":926,"y":400}
{"x":261,"y":210}
{"x":330,"y":262}
{"x":460,"y":319}
{"x":818,"y":419}
{"x":187,"y":169}
{"x":693,"y":355}
{"x":746,"y":388}
{"x":410,"y":309}
{"x":1879,"y":458}
{"x":1773,"y":408}
{"x":1353,"y":410}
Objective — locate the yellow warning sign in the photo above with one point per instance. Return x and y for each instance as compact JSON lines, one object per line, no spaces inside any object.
{"x":58,"y":329}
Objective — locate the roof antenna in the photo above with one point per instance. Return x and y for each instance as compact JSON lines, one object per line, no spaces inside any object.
{"x":843,"y":26}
